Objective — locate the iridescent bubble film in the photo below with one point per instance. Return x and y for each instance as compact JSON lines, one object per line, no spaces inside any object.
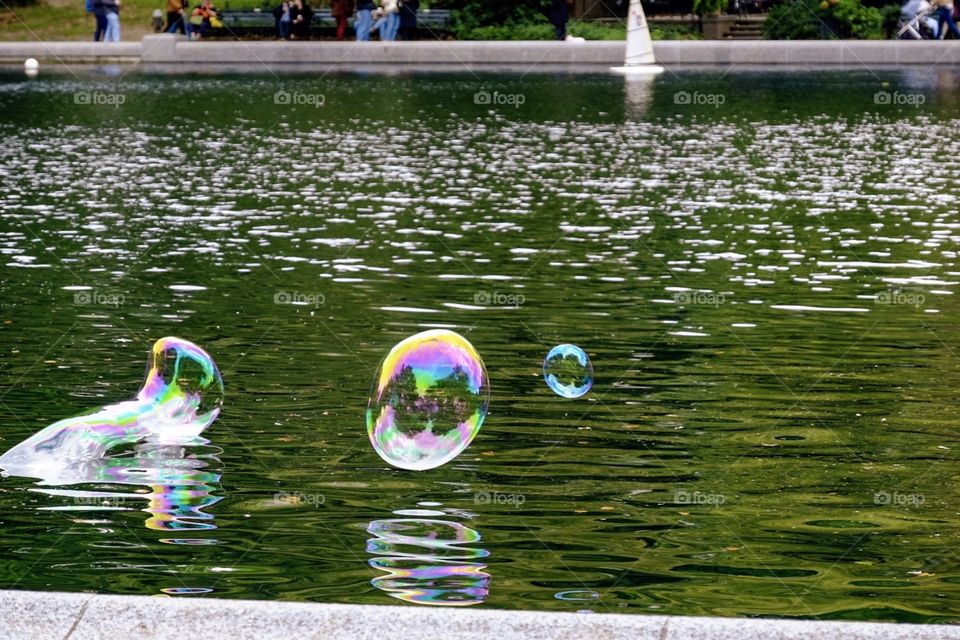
{"x":429,"y":400}
{"x":181,"y":396}
{"x":567,"y":371}
{"x":178,"y":486}
{"x":429,"y":561}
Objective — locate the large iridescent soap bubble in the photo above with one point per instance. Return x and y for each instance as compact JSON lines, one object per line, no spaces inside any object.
{"x":568,"y":371}
{"x":181,"y":396}
{"x":429,"y":400}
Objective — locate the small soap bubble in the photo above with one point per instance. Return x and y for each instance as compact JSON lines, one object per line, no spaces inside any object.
{"x":567,"y":371}
{"x":430,"y":397}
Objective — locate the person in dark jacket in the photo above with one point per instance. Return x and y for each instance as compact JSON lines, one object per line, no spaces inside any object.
{"x":340,"y":10}
{"x":559,"y":16}
{"x":301,"y":15}
{"x":100,"y":15}
{"x":408,"y":19}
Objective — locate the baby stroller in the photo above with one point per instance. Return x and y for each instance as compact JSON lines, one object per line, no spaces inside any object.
{"x":918,"y":21}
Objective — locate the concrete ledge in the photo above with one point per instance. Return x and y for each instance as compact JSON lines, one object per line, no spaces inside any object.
{"x":177,"y":51}
{"x":351,"y":54}
{"x":67,"y":52}
{"x":26,"y":615}
{"x":871,"y":53}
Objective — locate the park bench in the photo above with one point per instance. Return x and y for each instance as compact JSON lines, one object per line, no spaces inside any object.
{"x":430,"y":23}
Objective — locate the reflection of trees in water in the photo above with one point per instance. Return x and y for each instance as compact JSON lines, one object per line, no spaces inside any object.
{"x":180,"y":486}
{"x":567,"y":369}
{"x":426,"y":561}
{"x":447,"y":401}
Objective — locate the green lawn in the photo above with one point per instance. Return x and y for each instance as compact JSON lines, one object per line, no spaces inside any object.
{"x":68,"y":20}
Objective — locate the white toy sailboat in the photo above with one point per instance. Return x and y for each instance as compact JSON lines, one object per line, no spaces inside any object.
{"x":639,"y":58}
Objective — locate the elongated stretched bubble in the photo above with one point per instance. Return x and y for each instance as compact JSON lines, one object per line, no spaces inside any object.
{"x":430,"y":397}
{"x":181,"y":396}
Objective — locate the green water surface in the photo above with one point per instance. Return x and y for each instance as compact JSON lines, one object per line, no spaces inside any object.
{"x":761,"y":266}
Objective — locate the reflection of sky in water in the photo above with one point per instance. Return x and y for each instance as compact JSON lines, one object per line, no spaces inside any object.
{"x":428,"y":561}
{"x":178,"y":486}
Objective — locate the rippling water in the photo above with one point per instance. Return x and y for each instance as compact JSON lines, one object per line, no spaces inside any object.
{"x":765,"y":289}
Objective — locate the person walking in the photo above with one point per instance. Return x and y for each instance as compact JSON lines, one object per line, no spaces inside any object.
{"x":111,"y":9}
{"x":391,"y":10}
{"x":945,"y":16}
{"x":387,"y":20}
{"x":364,"y":20}
{"x":341,"y":10}
{"x":175,"y":11}
{"x":408,"y":19}
{"x":559,"y":16}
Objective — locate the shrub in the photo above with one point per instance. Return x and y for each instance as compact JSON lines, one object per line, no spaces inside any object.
{"x":674,"y":32}
{"x":507,"y":32}
{"x":709,"y":7}
{"x":527,"y":20}
{"x":539,"y":29}
{"x":472,"y":15}
{"x":597,"y":31}
{"x":792,"y":20}
{"x":890,"y":15}
{"x":813,"y":19}
{"x":851,"y":19}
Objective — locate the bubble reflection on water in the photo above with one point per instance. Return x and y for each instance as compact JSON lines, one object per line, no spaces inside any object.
{"x":428,"y":561}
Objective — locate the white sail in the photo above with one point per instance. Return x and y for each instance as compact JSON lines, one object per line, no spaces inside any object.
{"x":639,"y":44}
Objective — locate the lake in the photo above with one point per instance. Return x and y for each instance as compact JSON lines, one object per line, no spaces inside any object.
{"x":761,"y":267}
